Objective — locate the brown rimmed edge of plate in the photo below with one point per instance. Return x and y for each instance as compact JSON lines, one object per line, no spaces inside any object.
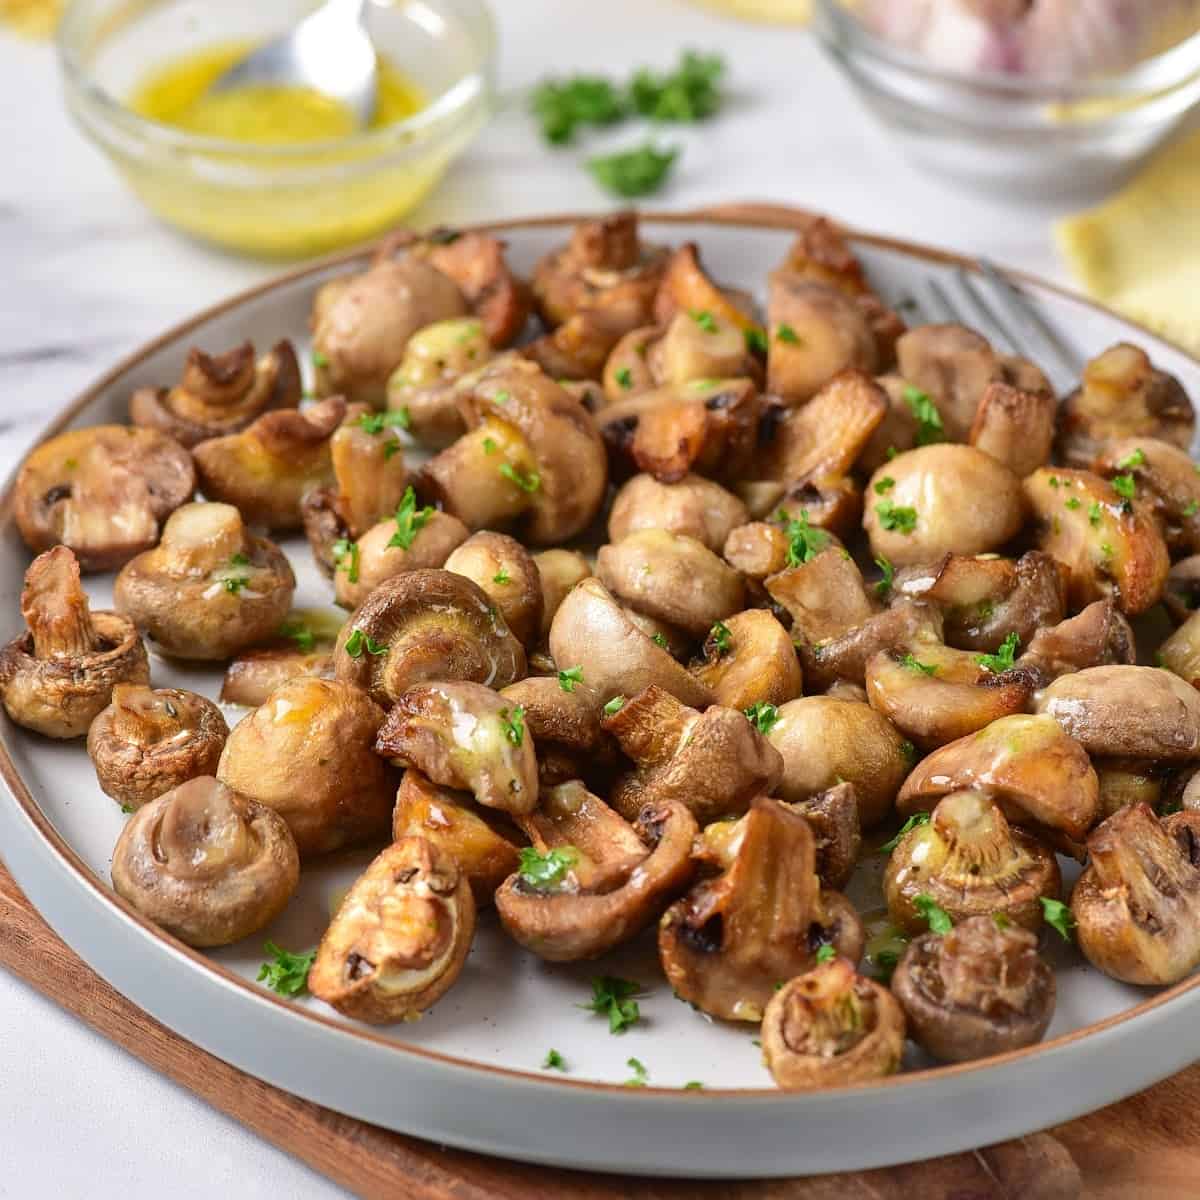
{"x":748,"y":214}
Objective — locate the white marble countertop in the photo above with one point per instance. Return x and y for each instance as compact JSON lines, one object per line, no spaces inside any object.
{"x":88,"y":275}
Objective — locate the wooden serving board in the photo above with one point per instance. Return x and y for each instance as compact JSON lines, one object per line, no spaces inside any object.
{"x":1147,"y":1147}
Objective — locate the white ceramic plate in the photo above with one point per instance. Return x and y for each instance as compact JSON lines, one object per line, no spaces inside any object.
{"x":469,"y":1074}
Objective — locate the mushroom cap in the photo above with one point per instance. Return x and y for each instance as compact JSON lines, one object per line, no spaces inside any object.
{"x":307,"y":753}
{"x":206,"y":863}
{"x":435,"y":625}
{"x":1030,"y":766}
{"x":559,"y":571}
{"x":977,"y":991}
{"x":1127,"y":712}
{"x":570,"y":719}
{"x":831,"y":1027}
{"x":210,"y":588}
{"x":758,"y":666}
{"x":505,"y":572}
{"x":148,"y":741}
{"x":251,"y":678}
{"x":591,"y":628}
{"x":102,"y":491}
{"x":696,"y":507}
{"x":400,"y":937}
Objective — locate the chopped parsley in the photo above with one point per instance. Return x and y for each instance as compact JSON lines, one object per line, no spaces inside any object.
{"x":319,"y":359}
{"x":299,"y":633}
{"x":358,"y":641}
{"x":1000,"y":920}
{"x":786,"y":334}
{"x":345,"y":558}
{"x":285,"y":972}
{"x":756,"y":340}
{"x":234,"y":583}
{"x":374,"y":423}
{"x":410,"y":520}
{"x":1002,"y":660}
{"x":908,"y":750}
{"x":554,"y":1061}
{"x":502,"y":576}
{"x":546,"y":871}
{"x":1106,"y":550}
{"x":514,"y":725}
{"x":660,"y":639}
{"x":721,"y":638}
{"x":1059,"y":917}
{"x":614,"y":998}
{"x":569,"y":678}
{"x":1094,"y":513}
{"x":762,"y":716}
{"x":915,"y":664}
{"x":614,"y":706}
{"x":826,"y":953}
{"x":895,"y":517}
{"x":1191,"y":508}
{"x":561,"y":106}
{"x":929,"y":421}
{"x":1072,"y":502}
{"x":639,"y":1072}
{"x":127,"y":808}
{"x":688,"y":94}
{"x":1131,"y":461}
{"x":705,"y":319}
{"x":913,"y":822}
{"x":624,"y":378}
{"x":527,"y":482}
{"x":636,"y":172}
{"x":884,"y":587}
{"x":693,"y":1085}
{"x":884,"y":486}
{"x":489,"y":445}
{"x":1126,"y":488}
{"x":937,"y":918}
{"x":805,"y":541}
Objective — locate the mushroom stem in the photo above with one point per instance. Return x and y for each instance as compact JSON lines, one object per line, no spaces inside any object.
{"x":215,"y":380}
{"x":201,"y":537}
{"x":651,"y":726}
{"x":142,"y":717}
{"x":55,"y":607}
{"x":977,"y":836}
{"x":1137,"y":857}
{"x":826,"y":1016}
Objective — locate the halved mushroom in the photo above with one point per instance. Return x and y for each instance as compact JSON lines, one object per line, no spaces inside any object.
{"x":831,"y":1027}
{"x":361,"y":324}
{"x":206,"y":863}
{"x":1135,"y":905}
{"x":1035,"y":772}
{"x":303,"y":645}
{"x":695,"y":507}
{"x":219,"y":394}
{"x":426,"y":625}
{"x":729,"y":943}
{"x":749,"y":660}
{"x":508,"y":576}
{"x":970,"y":862}
{"x":147,"y":742}
{"x":591,"y":628}
{"x":906,"y":626}
{"x":1162,"y":476}
{"x":942,"y":499}
{"x":101,"y":491}
{"x":1109,"y":543}
{"x":466,"y":736}
{"x":1122,"y":395}
{"x":979,"y":990}
{"x":1127,"y":712}
{"x":60,"y":673}
{"x":454,"y":826}
{"x":714,"y":762}
{"x":1126,"y":781}
{"x":830,"y":502}
{"x":1182,"y":594}
{"x":563,"y":718}
{"x":1096,"y":637}
{"x":557,"y":916}
{"x":210,"y":588}
{"x":825,"y":741}
{"x":307,"y":753}
{"x":423,"y":390}
{"x":266,"y":470}
{"x":686,"y":287}
{"x":531,"y":454}
{"x":400,"y":937}
{"x":1015,"y":426}
{"x":671,"y":577}
{"x":824,"y":595}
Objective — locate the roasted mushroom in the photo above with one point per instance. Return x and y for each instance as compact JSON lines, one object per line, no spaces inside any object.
{"x":571,"y":905}
{"x":831,"y":1027}
{"x":206,"y":863}
{"x":969,"y":862}
{"x":714,"y":762}
{"x":508,"y":576}
{"x":219,"y":394}
{"x":1135,"y":904}
{"x":729,"y":943}
{"x":686,"y":287}
{"x":825,"y":596}
{"x":749,"y":660}
{"x":562,"y":716}
{"x":60,"y":673}
{"x":400,"y":937}
{"x":559,"y":571}
{"x":1182,"y":595}
{"x":426,"y":625}
{"x":979,"y":990}
{"x":464,"y":735}
{"x":1122,"y":395}
{"x":210,"y":588}
{"x":1129,"y":781}
{"x":1096,"y":637}
{"x":102,"y":492}
{"x":694,"y":507}
{"x":303,"y":645}
{"x":268,"y":468}
{"x":307,"y":753}
{"x":454,"y":826}
{"x":1015,"y":426}
{"x":147,"y":742}
{"x":1162,"y":476}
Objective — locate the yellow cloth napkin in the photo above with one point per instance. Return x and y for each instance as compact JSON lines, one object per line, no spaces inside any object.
{"x":1139,"y":252}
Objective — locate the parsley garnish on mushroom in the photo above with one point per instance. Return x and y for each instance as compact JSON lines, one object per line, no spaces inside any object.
{"x":884,"y":586}
{"x":721,"y":638}
{"x":825,"y":953}
{"x":762,"y":716}
{"x":915,"y":664}
{"x":614,"y":998}
{"x":936,"y":916}
{"x":1002,"y":660}
{"x":884,"y":485}
{"x":546,"y":871}
{"x":614,"y":705}
{"x":624,"y":378}
{"x":786,"y":334}
{"x":1131,"y":461}
{"x":514,"y":724}
{"x":896,"y":517}
{"x":285,"y":972}
{"x":409,"y":521}
{"x":705,"y":319}
{"x":502,"y":576}
{"x":568,"y":679}
{"x":756,"y":340}
{"x":358,"y":641}
{"x":527,"y":481}
{"x":299,"y":633}
{"x":929,"y":421}
{"x":344,"y":549}
{"x":805,"y":541}
{"x":920,"y":818}
{"x":1059,"y":917}
{"x":377,"y":422}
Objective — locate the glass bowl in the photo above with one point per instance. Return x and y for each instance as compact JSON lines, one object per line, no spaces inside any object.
{"x":277,"y":201}
{"x":1057,"y":139}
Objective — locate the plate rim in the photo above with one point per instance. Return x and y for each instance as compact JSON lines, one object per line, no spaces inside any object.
{"x":748,"y":215}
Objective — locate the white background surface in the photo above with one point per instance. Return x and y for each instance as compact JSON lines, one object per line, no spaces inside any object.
{"x":86,"y":276}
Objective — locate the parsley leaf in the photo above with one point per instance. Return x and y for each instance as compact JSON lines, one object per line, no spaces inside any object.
{"x":613,"y":998}
{"x":884,"y":486}
{"x":884,"y":586}
{"x":624,"y":378}
{"x":660,"y":640}
{"x":897,"y":518}
{"x":1094,"y":513}
{"x":1191,"y":508}
{"x":127,"y":808}
{"x":502,"y":576}
{"x":554,"y":1061}
{"x":344,"y":549}
{"x":358,"y":641}
{"x":915,"y":664}
{"x":929,"y":421}
{"x":489,"y":445}
{"x":762,"y":716}
{"x":526,"y":482}
{"x":721,"y":638}
{"x":319,"y":359}
{"x":1000,"y":920}
{"x":639,"y":1072}
{"x":300,"y":633}
{"x":514,"y":726}
{"x":937,"y":917}
{"x":409,"y":520}
{"x":1072,"y":502}
{"x":826,"y":953}
{"x":636,"y":172}
{"x":285,"y":972}
{"x":805,"y":541}
{"x":756,"y":340}
{"x":1130,"y":461}
{"x":1059,"y":917}
{"x":693,"y":1085}
{"x":614,"y":706}
{"x":562,"y":105}
{"x":1002,"y":660}
{"x":374,"y":423}
{"x":546,"y":871}
{"x":786,"y":334}
{"x":913,"y":822}
{"x":1125,"y":487}
{"x":689,"y":93}
{"x":705,"y":319}
{"x":569,"y":678}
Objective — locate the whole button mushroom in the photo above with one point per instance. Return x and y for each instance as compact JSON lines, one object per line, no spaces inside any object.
{"x":210,"y":588}
{"x":58,"y":675}
{"x":506,"y":573}
{"x":400,"y":937}
{"x":1135,"y":905}
{"x":464,"y":735}
{"x":426,"y":625}
{"x":979,"y":990}
{"x":831,"y":1027}
{"x":147,"y":742}
{"x":102,"y":492}
{"x":695,"y":506}
{"x":205,"y":863}
{"x":219,"y":394}
{"x":970,"y":862}
{"x":731,"y":940}
{"x":532,"y":454}
{"x":942,"y":499}
{"x":307,"y":753}
{"x":266,"y":470}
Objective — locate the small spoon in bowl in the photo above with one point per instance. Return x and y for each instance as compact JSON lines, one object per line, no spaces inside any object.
{"x":329,"y":51}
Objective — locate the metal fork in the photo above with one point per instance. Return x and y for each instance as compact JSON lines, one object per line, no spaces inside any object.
{"x":987,"y":301}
